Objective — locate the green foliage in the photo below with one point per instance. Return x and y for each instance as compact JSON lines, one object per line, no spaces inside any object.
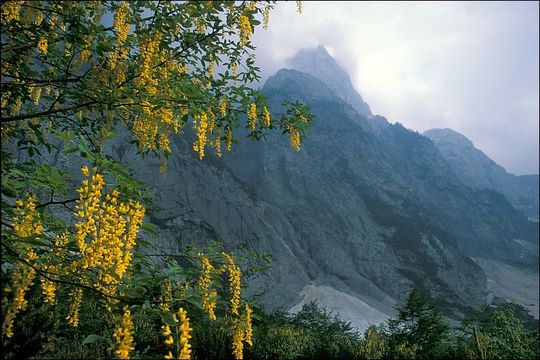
{"x":312,"y":333}
{"x":72,"y":81}
{"x":419,"y":330}
{"x":498,"y":334}
{"x":375,"y":343}
{"x":69,"y":80}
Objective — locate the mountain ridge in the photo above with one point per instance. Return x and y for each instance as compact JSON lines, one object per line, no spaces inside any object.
{"x":478,"y":171}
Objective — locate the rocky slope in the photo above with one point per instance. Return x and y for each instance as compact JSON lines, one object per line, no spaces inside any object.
{"x":362,"y":211}
{"x":478,"y":171}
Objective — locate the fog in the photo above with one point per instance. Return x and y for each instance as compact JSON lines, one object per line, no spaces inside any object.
{"x":472,"y":67}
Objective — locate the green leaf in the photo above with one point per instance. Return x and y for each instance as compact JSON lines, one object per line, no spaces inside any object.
{"x":90,"y":339}
{"x":35,"y":242}
{"x":168,"y":319}
{"x":146,"y":305}
{"x":149,"y":227}
{"x":71,"y":149}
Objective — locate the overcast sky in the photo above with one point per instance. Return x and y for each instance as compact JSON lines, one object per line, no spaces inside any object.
{"x":472,"y":67}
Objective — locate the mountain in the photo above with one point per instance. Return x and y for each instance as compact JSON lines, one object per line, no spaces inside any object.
{"x":356,"y":219}
{"x":319,"y":64}
{"x":475,"y":169}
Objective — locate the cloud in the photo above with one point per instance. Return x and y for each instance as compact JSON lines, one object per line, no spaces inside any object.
{"x":472,"y":67}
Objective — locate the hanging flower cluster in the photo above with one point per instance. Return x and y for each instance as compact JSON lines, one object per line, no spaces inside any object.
{"x":123,"y":335}
{"x":252,"y":116}
{"x":181,"y":324}
{"x":106,"y":231}
{"x":209,"y":297}
{"x":234,"y":282}
{"x":26,"y":224}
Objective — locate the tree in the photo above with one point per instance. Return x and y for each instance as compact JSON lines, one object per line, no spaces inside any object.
{"x":419,"y":328}
{"x":159,"y":66}
{"x":497,"y":334}
{"x":73,"y":75}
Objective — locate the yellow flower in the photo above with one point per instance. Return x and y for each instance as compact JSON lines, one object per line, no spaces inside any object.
{"x":245,"y":29}
{"x":223,"y":106}
{"x":266,"y":17}
{"x":27,"y":223}
{"x":294,"y":137}
{"x":266,"y":117}
{"x":5,"y":97}
{"x":249,"y":328}
{"x":75,"y":303}
{"x":251,"y":6}
{"x":164,"y":143}
{"x":166,"y":330}
{"x":165,"y":301}
{"x":16,"y":107}
{"x":202,"y":129}
{"x":211,"y":69}
{"x":252,"y":116}
{"x":48,"y":289}
{"x":120,"y":24}
{"x":204,"y":282}
{"x":238,"y":344}
{"x":106,"y":232}
{"x":145,"y":129}
{"x":184,"y":335}
{"x":85,"y":52}
{"x":149,"y":51}
{"x":36,"y":95}
{"x":22,"y":279}
{"x":43,"y":46}
{"x":39,"y":18}
{"x":234,"y":283}
{"x":200,"y":25}
{"x":212,"y":120}
{"x":11,"y":10}
{"x":123,"y":336}
{"x":228,"y":139}
{"x":217,"y":144}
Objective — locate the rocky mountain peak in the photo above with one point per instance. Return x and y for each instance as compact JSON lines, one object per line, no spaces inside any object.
{"x":318,"y":63}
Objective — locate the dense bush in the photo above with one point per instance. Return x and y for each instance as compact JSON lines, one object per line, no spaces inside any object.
{"x":312,"y":333}
{"x":76,"y":74}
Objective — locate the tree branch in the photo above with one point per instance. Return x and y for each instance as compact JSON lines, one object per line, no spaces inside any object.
{"x":43,"y":81}
{"x":45,"y":113}
{"x":57,"y":202}
{"x":66,"y":282}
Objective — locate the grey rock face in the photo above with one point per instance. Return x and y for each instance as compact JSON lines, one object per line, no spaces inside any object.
{"x":478,"y":171}
{"x":367,"y":213}
{"x":353,"y":212}
{"x":331,"y":215}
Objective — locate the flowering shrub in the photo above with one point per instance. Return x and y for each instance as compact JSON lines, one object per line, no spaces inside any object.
{"x":73,"y":74}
